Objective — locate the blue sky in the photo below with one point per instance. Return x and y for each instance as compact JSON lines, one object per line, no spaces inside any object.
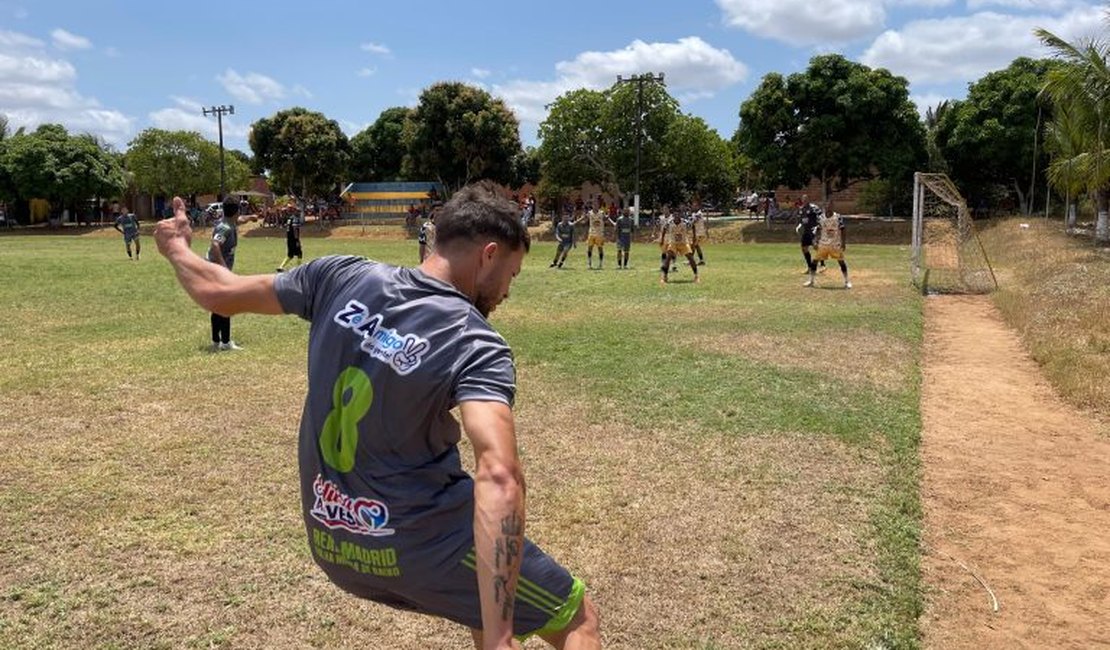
{"x":116,"y":68}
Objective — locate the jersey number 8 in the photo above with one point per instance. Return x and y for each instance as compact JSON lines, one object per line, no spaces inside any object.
{"x":339,"y":437}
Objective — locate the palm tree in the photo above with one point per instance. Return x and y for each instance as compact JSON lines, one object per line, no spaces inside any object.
{"x":1080,"y":89}
{"x":1066,"y":141}
{"x":933,"y":117}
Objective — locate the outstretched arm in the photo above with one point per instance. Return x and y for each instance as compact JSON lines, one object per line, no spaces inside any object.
{"x":498,"y":515}
{"x":211,"y":285}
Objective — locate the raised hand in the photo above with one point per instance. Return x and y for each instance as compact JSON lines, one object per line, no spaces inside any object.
{"x":174,"y":231}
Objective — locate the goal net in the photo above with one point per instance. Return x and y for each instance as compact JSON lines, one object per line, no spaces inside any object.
{"x":947,"y":256}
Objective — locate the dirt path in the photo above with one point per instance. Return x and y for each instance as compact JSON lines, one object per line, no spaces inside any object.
{"x":1016,"y":486}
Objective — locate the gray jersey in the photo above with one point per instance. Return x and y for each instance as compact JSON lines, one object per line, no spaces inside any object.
{"x":226,"y":236}
{"x":390,"y":352}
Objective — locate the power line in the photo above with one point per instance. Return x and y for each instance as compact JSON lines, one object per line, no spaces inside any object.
{"x":639,"y":80}
{"x":219,"y":112}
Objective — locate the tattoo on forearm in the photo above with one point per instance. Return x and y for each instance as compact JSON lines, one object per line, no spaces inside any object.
{"x":503,"y":595}
{"x":506,"y":556}
{"x":512,"y":525}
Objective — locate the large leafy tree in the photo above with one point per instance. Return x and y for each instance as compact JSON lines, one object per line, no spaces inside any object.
{"x":303,"y":151}
{"x":1080,"y":91}
{"x":169,"y":163}
{"x":993,"y":136}
{"x":64,"y":169}
{"x":378,"y":150}
{"x":459,"y":133}
{"x":839,"y":121}
{"x":591,"y":135}
{"x":700,"y":160}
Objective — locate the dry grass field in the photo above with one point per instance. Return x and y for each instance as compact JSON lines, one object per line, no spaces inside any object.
{"x":1054,"y":289}
{"x":727,"y":465}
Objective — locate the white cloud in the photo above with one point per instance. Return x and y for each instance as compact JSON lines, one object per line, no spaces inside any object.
{"x":964,"y":48}
{"x":64,"y":40}
{"x":928,"y":100}
{"x":188,"y":115}
{"x":920,"y":3}
{"x":691,"y":67}
{"x":351,"y":129}
{"x":366,"y":72}
{"x":376,"y":48}
{"x":252,"y":88}
{"x":35,"y":69}
{"x":36,"y":88}
{"x":15,"y":40}
{"x":1041,"y":5}
{"x":480,"y":73}
{"x":805,"y":22}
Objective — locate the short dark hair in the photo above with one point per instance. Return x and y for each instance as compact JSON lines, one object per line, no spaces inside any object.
{"x":478,"y":212}
{"x":231,"y":207}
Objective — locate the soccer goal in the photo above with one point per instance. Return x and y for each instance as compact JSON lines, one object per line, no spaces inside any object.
{"x":947,"y":255}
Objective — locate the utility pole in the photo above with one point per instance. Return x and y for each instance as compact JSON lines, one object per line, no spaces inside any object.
{"x":639,"y":80}
{"x":219,"y":112}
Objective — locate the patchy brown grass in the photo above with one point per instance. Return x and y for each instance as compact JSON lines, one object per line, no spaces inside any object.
{"x":166,"y":520}
{"x":1055,"y":291}
{"x":879,"y":359}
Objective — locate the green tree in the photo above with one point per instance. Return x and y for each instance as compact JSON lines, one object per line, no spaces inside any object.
{"x":839,"y":121}
{"x":1080,"y":91}
{"x":303,"y":151}
{"x":458,"y":134}
{"x":66,"y":170}
{"x":573,"y":144}
{"x":591,"y":135}
{"x":182,"y":163}
{"x":993,"y":136}
{"x":378,"y":151}
{"x":525,"y":167}
{"x":700,"y":159}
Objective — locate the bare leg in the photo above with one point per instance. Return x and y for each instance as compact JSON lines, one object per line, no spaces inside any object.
{"x":582,"y":633}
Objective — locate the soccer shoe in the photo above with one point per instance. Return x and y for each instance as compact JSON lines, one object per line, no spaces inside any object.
{"x":279,"y":270}
{"x":808,"y":283}
{"x":701,"y":262}
{"x":847,"y":284}
{"x":822,"y":269}
{"x":230,"y":345}
{"x":697,"y":279}
{"x":216,"y":346}
{"x":551,"y":266}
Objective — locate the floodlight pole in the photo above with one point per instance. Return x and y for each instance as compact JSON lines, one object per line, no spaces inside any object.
{"x":219,"y":112}
{"x":639,"y":80}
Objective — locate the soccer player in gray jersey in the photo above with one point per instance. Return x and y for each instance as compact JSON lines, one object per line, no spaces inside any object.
{"x":225,"y":239}
{"x":390,"y":514}
{"x":128,"y":226}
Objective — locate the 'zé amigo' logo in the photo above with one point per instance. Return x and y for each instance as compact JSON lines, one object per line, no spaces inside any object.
{"x":403,"y":352}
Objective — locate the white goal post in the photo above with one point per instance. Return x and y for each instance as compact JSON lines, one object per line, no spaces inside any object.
{"x":947,"y":256}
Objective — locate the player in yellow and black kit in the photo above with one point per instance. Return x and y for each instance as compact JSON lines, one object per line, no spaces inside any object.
{"x":831,"y":242}
{"x":675,"y":241}
{"x":595,"y":236}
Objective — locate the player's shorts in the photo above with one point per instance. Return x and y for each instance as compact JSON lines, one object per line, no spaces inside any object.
{"x":679,"y":249}
{"x":595,"y":240}
{"x":547,"y":596}
{"x":828,"y":252}
{"x":624,"y":242}
{"x":807,"y":239}
{"x":293,"y":249}
{"x":566,"y":245}
{"x":128,"y":238}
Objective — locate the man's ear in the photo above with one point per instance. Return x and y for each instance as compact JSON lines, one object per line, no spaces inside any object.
{"x":489,"y":252}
